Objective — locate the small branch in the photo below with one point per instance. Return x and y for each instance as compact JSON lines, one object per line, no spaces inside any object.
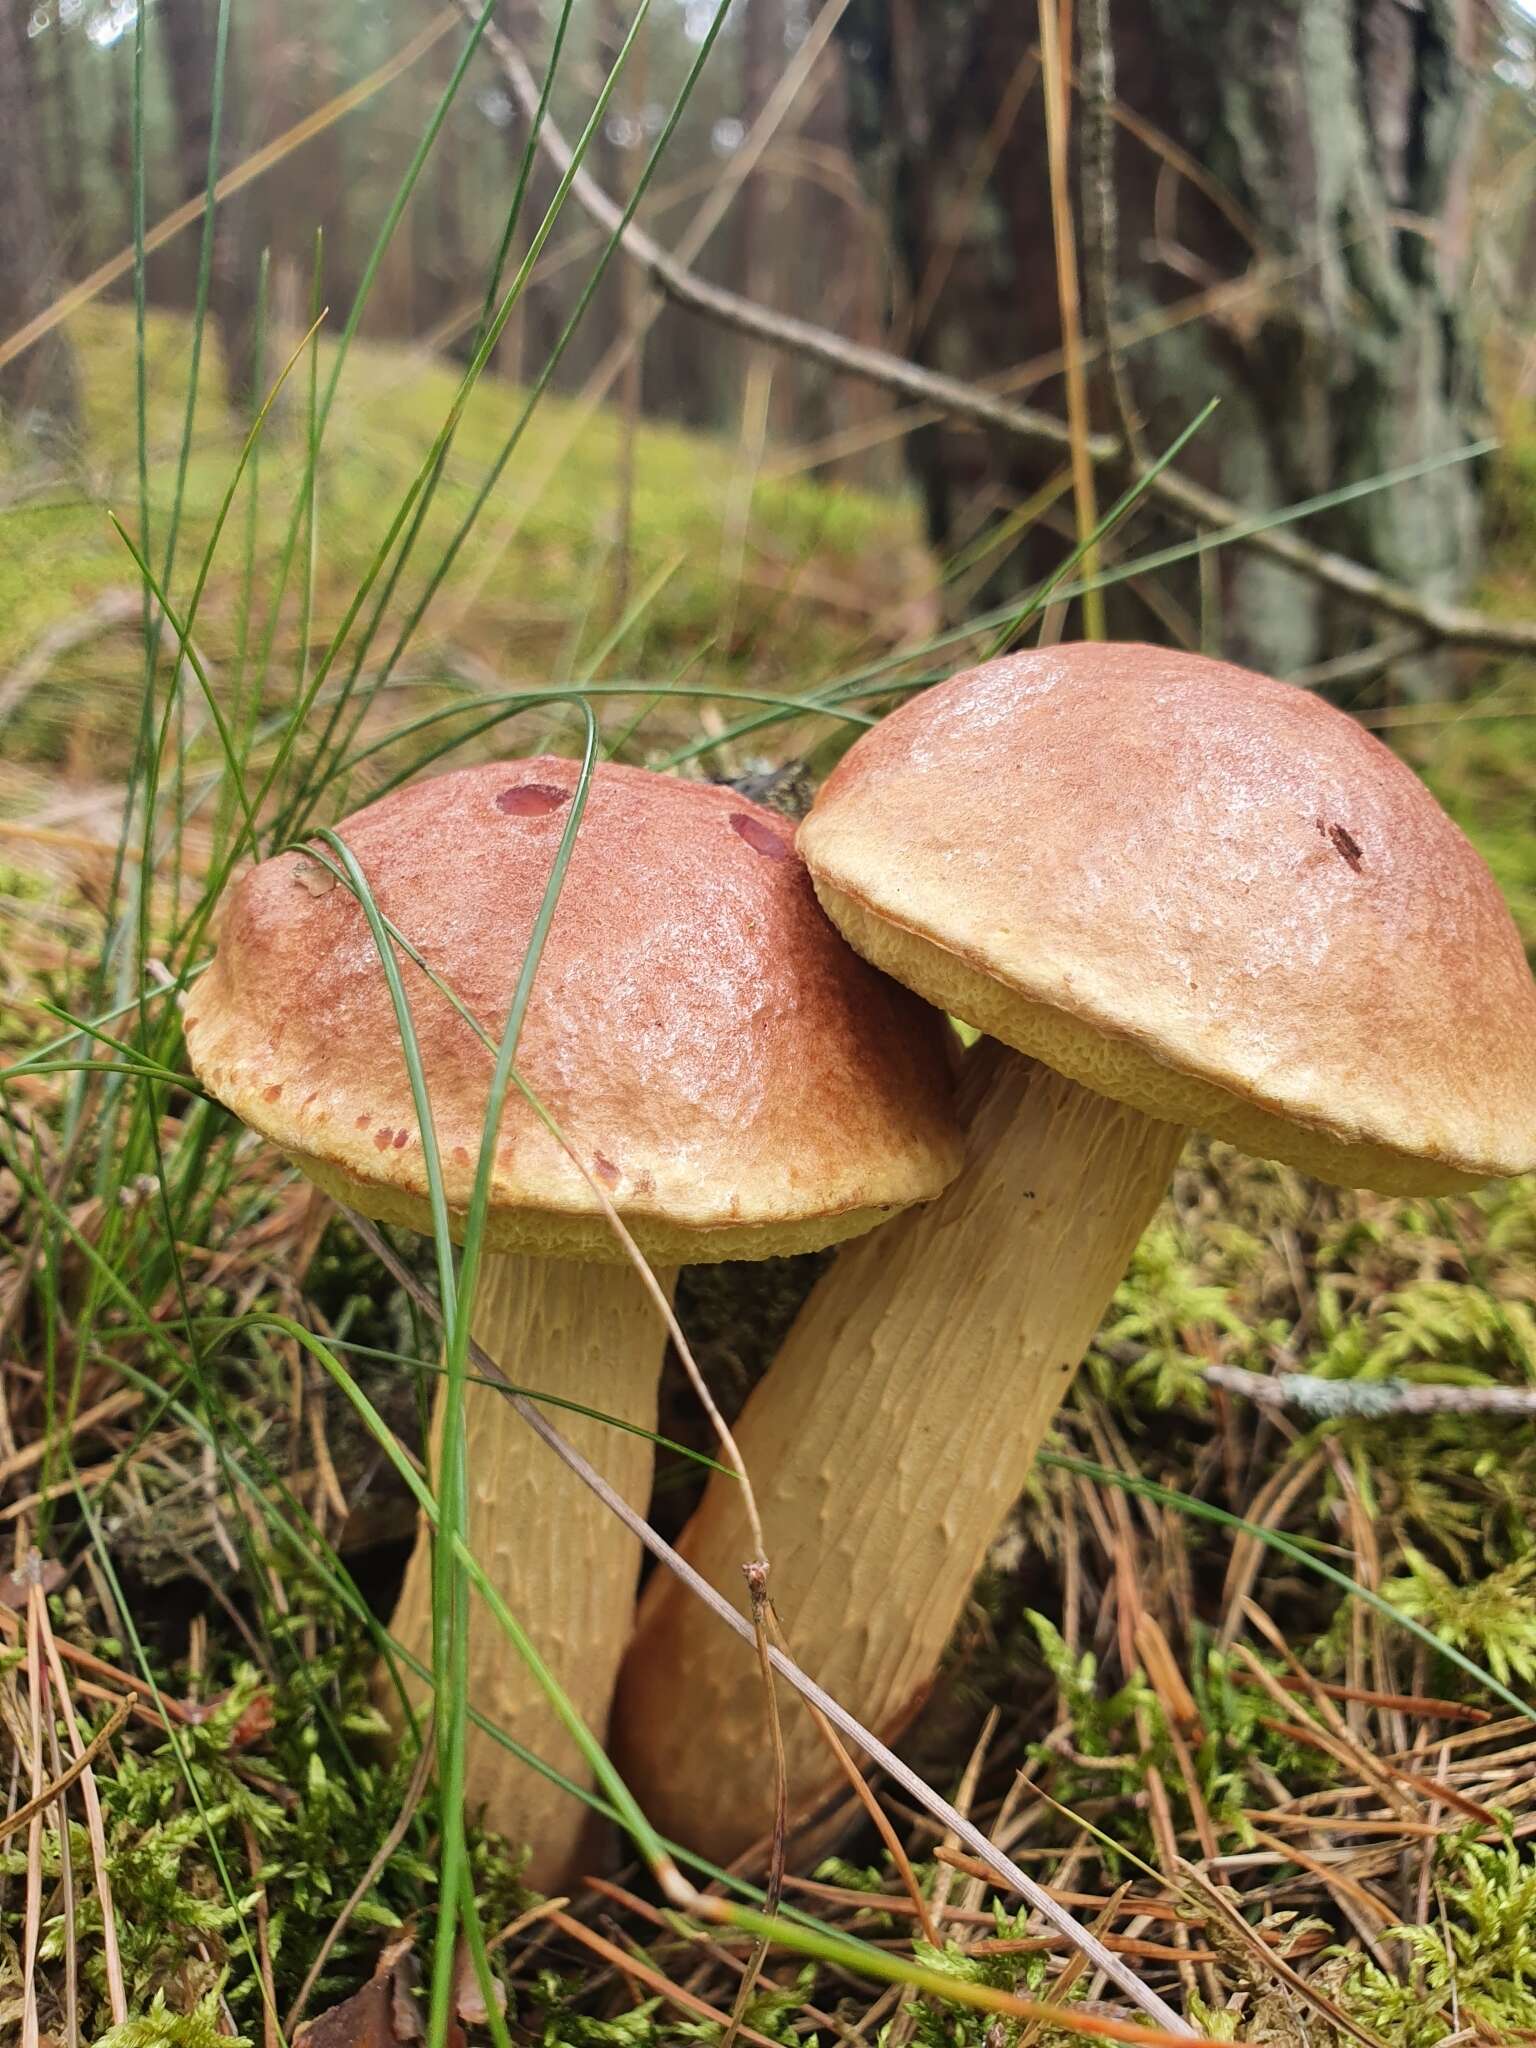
{"x":1328,"y":1400}
{"x":1363,"y":665}
{"x":1436,"y":621}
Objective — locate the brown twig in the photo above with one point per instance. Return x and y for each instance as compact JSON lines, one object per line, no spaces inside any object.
{"x":1325,"y":1400}
{"x":1424,"y":1705}
{"x":120,"y":1403}
{"x":270,"y":2032}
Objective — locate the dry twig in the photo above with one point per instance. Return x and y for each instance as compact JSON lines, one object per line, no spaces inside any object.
{"x":1328,"y":1400}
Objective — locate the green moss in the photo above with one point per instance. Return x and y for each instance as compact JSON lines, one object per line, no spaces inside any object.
{"x":283,"y":1788}
{"x":541,"y":557}
{"x":1476,"y":1960}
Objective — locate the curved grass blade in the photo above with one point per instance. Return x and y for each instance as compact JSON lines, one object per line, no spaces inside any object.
{"x":545,"y":1400}
{"x":866,"y":681}
{"x":449,"y":1578}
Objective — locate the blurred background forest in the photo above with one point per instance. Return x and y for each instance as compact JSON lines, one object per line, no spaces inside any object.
{"x":1319,"y":217}
{"x":918,"y":293}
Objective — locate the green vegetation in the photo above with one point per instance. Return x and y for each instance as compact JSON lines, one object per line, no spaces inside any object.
{"x":531,"y":593}
{"x":220,"y":1504}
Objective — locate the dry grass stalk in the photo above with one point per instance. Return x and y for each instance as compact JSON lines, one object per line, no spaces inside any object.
{"x":66,"y":1775}
{"x":653,"y":1979}
{"x":1053,"y":39}
{"x":37,"y":1619}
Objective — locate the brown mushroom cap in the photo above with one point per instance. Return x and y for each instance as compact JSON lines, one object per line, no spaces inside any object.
{"x":1201,"y":892}
{"x":739,"y":1081}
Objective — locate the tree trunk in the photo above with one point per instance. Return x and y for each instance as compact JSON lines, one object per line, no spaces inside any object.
{"x":257,"y":220}
{"x":1306,"y":161}
{"x":538,"y":316}
{"x":443,"y":275}
{"x":37,"y":390}
{"x":189,"y":40}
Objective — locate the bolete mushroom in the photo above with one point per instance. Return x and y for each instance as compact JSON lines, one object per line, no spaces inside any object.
{"x":1174,"y":894}
{"x":737,"y":1079}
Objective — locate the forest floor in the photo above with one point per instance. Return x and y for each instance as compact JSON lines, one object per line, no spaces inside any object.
{"x":1254,"y":1689}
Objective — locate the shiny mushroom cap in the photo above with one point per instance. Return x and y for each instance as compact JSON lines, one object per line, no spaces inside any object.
{"x":1200,"y":892}
{"x":738,"y":1081}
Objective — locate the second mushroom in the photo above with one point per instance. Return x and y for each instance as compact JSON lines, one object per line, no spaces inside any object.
{"x":1174,"y":894}
{"x":738,"y":1081}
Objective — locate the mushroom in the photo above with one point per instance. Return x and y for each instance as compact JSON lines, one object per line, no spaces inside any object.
{"x":1174,"y":894}
{"x":735,"y":1078}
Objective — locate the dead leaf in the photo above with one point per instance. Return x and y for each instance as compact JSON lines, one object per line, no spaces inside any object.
{"x":467,"y":2002}
{"x":256,"y":1721}
{"x":384,"y":2014}
{"x":13,"y":1587}
{"x":318,"y":880}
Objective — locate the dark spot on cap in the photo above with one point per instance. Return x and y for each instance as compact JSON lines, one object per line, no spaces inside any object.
{"x":313,"y":876}
{"x":460,"y":1156}
{"x":400,"y":1138}
{"x":760,"y":837}
{"x":1346,"y":847}
{"x":382,"y":1137}
{"x":271,"y":1094}
{"x":605,"y":1170}
{"x":531,"y":799}
{"x":309,"y":1098}
{"x":362,"y":1122}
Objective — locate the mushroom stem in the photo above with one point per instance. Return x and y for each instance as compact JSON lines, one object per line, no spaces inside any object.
{"x":565,"y":1566}
{"x":896,"y":1428}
